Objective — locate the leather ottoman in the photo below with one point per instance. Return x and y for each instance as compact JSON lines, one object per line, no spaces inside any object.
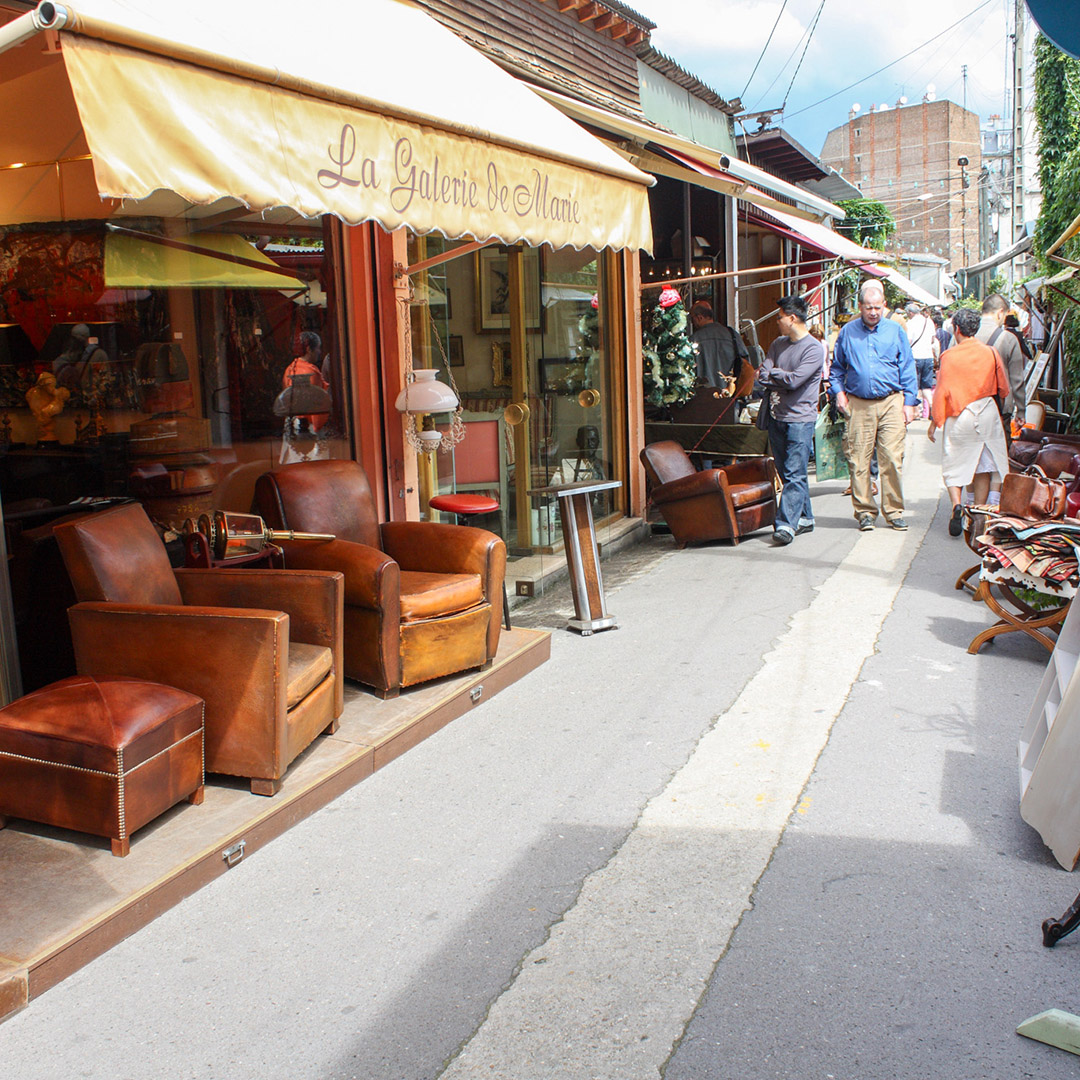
{"x":101,"y":756}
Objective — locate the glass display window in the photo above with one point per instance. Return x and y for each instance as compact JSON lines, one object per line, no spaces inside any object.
{"x":148,"y":359}
{"x":535,"y":415}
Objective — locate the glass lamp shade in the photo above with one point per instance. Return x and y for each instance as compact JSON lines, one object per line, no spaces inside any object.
{"x":302,"y":398}
{"x":425,"y":394}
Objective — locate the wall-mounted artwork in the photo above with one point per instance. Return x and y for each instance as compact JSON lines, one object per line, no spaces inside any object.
{"x":493,"y":290}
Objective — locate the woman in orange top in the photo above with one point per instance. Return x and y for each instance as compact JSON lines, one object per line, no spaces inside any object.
{"x":307,"y":364}
{"x":973,"y":440}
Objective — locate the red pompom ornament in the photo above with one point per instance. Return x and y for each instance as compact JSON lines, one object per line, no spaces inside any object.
{"x":595,"y":301}
{"x":669,"y":298}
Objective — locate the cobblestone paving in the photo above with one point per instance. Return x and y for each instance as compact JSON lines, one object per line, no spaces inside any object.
{"x":556,"y":605}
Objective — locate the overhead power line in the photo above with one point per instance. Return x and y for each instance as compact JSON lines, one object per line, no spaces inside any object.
{"x":859,"y":82}
{"x":763,"y":51}
{"x":809,"y":36}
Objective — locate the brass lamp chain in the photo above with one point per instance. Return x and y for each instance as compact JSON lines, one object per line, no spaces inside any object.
{"x":456,"y":433}
{"x":411,"y":436}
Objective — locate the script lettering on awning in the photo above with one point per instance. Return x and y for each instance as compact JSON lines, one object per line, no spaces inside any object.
{"x":436,"y":184}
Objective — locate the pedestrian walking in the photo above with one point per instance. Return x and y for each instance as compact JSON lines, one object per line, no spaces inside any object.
{"x":992,"y":332}
{"x":874,"y":382}
{"x":973,"y":449}
{"x":791,"y":372}
{"x":921,"y":337}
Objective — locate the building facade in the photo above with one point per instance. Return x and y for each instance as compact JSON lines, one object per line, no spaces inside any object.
{"x":923,"y":161}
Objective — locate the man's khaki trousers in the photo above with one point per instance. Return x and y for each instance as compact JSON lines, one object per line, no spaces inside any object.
{"x":877,"y":423}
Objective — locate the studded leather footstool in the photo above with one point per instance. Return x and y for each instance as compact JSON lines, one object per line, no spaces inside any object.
{"x":101,"y":756}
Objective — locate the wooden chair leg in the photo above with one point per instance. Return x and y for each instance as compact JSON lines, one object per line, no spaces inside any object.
{"x":196,"y":797}
{"x":265,"y":787}
{"x":332,"y":727}
{"x":120,"y":848}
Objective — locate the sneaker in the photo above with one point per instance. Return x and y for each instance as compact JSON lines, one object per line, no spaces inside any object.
{"x":783,"y":537}
{"x":866,"y":523}
{"x":804,"y":527}
{"x":956,"y":523}
{"x":899,"y":524}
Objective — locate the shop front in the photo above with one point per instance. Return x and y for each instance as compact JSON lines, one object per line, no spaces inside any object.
{"x":198,"y":216}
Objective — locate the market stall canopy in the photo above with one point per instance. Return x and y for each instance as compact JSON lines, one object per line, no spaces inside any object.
{"x":730,"y":176}
{"x":205,"y":107}
{"x":829,"y":240}
{"x":1021,"y":246}
{"x":1068,"y":234}
{"x":909,"y":288}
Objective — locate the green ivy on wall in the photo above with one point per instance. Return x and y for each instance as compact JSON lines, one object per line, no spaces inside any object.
{"x":1057,"y":113}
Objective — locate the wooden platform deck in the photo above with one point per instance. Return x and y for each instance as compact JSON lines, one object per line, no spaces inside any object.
{"x":66,"y":899}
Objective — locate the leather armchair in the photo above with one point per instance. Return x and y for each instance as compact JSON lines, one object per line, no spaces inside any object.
{"x":714,"y":504}
{"x":421,"y":599}
{"x":262,"y":648}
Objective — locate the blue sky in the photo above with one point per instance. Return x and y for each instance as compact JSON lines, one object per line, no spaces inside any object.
{"x":721,"y":40}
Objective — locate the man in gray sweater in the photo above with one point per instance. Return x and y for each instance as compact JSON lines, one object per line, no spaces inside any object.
{"x":791,"y":373}
{"x":992,"y":332}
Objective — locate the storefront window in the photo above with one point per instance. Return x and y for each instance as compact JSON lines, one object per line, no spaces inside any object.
{"x":560,"y":429}
{"x":146,"y":362}
{"x":144,"y":359}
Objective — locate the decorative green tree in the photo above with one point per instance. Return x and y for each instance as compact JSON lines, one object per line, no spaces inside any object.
{"x":588,"y":349}
{"x":670,"y":355}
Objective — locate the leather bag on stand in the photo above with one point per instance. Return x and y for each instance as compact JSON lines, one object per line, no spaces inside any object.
{"x":1033,"y":495}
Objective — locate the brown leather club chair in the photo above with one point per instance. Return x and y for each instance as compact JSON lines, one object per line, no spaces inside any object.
{"x":714,"y":504}
{"x":262,"y":648}
{"x":419,"y":596}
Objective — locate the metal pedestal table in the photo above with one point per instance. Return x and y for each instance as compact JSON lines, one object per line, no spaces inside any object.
{"x":582,"y":556}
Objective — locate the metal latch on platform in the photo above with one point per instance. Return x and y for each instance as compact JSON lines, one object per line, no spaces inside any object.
{"x":232,"y":855}
{"x":476,"y":693}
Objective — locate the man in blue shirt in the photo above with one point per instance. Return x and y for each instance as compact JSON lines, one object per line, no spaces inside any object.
{"x":876,"y":387}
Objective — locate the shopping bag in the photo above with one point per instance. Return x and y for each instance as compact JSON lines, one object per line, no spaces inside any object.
{"x":830,"y":463}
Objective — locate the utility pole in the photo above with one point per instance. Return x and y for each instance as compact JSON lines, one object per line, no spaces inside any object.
{"x":963,"y":72}
{"x":965,"y":183}
{"x":1018,"y":124}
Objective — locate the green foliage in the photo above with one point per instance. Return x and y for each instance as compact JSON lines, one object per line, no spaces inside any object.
{"x":970,"y":302}
{"x":670,"y":357}
{"x":867,"y":222}
{"x":1057,"y":113}
{"x":998,"y":284}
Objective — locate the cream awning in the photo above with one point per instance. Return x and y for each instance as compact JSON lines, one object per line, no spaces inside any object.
{"x":748,"y":182}
{"x":370,"y":111}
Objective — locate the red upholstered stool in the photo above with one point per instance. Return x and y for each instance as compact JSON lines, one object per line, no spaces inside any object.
{"x":101,"y":756}
{"x":464,"y":506}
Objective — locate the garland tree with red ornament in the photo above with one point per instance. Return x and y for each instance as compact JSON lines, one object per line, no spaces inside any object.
{"x":670,"y":354}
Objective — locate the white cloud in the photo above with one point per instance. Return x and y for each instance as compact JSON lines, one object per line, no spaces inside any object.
{"x":720,"y":42}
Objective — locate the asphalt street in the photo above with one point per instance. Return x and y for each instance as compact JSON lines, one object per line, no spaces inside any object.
{"x":767,"y":828}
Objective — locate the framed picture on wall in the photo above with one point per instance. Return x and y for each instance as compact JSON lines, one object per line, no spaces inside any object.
{"x":501,"y":374}
{"x":455,"y":353}
{"x":493,"y":290}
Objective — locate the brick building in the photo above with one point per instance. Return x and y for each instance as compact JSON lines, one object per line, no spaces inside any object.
{"x":907,"y":157}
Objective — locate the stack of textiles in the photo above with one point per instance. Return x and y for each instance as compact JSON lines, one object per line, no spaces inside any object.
{"x":1040,"y":549}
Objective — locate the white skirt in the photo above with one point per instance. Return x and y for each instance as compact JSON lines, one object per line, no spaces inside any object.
{"x":973,"y":442}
